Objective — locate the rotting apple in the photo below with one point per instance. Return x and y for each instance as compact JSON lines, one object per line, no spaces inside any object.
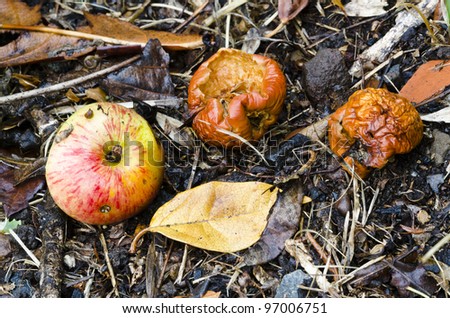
{"x":105,"y":164}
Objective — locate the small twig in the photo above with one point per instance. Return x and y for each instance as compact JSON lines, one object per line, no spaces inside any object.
{"x":194,"y":167}
{"x":65,"y":85}
{"x":139,"y":11}
{"x":376,"y":69}
{"x":276,"y":30}
{"x":182,"y":265}
{"x":224,"y":11}
{"x":163,"y":269}
{"x":323,"y":255}
{"x":25,"y":248}
{"x":108,"y":263}
{"x":443,"y":241}
{"x":382,"y":48}
{"x":191,"y":18}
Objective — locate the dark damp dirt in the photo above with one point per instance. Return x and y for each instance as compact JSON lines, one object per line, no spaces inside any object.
{"x":391,"y":220}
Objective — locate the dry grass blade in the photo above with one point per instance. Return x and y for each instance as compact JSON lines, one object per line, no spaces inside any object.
{"x":298,"y":251}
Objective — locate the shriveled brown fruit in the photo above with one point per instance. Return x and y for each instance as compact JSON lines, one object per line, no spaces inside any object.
{"x":235,"y":92}
{"x":372,"y":127}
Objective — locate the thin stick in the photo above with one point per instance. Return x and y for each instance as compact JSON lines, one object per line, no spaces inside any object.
{"x":25,"y":248}
{"x":323,"y":254}
{"x":376,"y":69}
{"x":194,"y":167}
{"x":224,"y":11}
{"x":183,"y":265}
{"x":65,"y":85}
{"x":108,"y":264}
{"x":443,"y":241}
{"x":192,"y":17}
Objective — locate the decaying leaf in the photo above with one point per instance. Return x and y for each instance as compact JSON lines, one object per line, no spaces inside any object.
{"x":289,"y":9}
{"x":429,"y":80}
{"x":406,"y":275}
{"x":282,"y":225}
{"x":18,"y":12}
{"x":5,"y":247}
{"x":218,"y":216}
{"x":123,"y":30}
{"x":403,"y":272}
{"x":48,"y":44}
{"x":34,"y":47}
{"x":14,"y":196}
{"x":365,"y":8}
{"x":148,"y":78}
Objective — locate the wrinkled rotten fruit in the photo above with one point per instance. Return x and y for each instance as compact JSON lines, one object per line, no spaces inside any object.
{"x":372,"y":127}
{"x":105,"y":164}
{"x":235,"y":92}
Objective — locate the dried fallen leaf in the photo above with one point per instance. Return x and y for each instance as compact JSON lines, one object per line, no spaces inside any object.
{"x":218,"y":216}
{"x":429,"y":80}
{"x":282,"y":225}
{"x":123,"y":30}
{"x":148,"y":78}
{"x":14,"y":196}
{"x":48,"y":44}
{"x":34,"y":47}
{"x":18,"y":12}
{"x":406,"y":275}
{"x":289,"y":9}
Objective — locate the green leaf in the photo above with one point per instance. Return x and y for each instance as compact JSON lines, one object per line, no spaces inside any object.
{"x":7,"y":225}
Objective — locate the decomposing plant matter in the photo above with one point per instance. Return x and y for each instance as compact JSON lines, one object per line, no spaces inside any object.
{"x":372,"y":127}
{"x":235,"y":92}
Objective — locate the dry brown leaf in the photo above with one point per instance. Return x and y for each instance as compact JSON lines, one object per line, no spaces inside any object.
{"x":429,"y":80}
{"x":288,"y":9}
{"x":17,"y":12}
{"x":146,"y":79}
{"x":218,"y":216}
{"x":282,"y":225}
{"x":48,"y":44}
{"x":123,"y":30}
{"x":14,"y":196}
{"x":34,"y":47}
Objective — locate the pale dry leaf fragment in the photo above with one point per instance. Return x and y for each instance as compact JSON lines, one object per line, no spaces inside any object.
{"x":217,"y":216}
{"x":441,"y":116}
{"x":298,"y":250}
{"x":365,"y":8}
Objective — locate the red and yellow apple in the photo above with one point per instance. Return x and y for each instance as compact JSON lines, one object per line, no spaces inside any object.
{"x":105,"y":164}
